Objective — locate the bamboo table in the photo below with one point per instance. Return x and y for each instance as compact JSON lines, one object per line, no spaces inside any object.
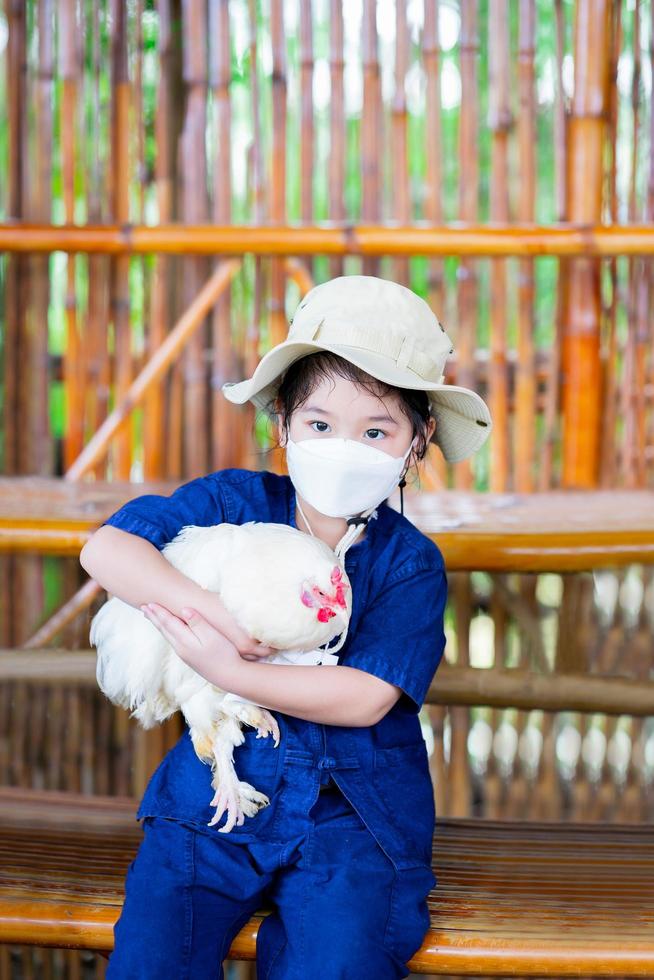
{"x":559,"y":530}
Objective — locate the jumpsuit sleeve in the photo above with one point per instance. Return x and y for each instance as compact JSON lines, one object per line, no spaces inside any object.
{"x":401,"y":636}
{"x":158,"y":519}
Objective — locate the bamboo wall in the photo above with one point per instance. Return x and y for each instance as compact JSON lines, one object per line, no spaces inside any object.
{"x":360,"y":113}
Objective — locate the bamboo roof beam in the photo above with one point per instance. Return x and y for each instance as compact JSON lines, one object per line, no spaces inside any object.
{"x":458,"y":239}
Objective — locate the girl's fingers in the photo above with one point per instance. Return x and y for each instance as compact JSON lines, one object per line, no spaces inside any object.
{"x":170,"y":626}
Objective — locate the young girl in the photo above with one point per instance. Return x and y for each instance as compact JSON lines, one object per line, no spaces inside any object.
{"x":343,"y":851}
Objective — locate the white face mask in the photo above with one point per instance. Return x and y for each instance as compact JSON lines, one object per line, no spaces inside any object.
{"x":342,"y":477}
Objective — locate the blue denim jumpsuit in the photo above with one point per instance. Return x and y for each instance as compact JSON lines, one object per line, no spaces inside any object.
{"x":343,"y":851}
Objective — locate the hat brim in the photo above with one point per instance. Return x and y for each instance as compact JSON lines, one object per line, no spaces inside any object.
{"x":463,"y":421}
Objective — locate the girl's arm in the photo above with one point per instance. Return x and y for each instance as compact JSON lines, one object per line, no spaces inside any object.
{"x":130,"y":567}
{"x":329,"y":695}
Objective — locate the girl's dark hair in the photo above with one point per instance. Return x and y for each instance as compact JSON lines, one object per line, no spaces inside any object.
{"x":304,"y":375}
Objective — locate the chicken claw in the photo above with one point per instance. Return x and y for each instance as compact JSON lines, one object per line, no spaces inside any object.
{"x":239,"y":799}
{"x":259,"y":718}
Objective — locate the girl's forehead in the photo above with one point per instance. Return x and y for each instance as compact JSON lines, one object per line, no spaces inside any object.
{"x":335,"y":386}
{"x":331,"y":393}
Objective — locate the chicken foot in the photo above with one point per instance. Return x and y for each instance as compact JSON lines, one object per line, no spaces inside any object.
{"x":255,"y":716}
{"x":233,"y":795}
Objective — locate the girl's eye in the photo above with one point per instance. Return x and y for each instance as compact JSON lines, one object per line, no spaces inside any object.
{"x":380,"y":431}
{"x":319,"y":422}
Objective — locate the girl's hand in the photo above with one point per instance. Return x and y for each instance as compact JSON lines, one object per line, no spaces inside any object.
{"x":214,"y":612}
{"x":196,"y":642}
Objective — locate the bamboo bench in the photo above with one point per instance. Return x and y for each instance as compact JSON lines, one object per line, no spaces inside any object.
{"x":531,"y":899}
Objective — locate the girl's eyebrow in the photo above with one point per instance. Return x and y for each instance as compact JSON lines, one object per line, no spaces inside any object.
{"x":371,"y":418}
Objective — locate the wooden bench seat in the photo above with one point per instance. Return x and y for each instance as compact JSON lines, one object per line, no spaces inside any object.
{"x":558,"y":530}
{"x":512,"y":898}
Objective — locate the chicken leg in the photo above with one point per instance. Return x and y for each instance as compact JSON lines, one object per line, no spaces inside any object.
{"x":232,"y":794}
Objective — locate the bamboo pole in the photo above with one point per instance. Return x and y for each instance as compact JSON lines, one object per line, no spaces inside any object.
{"x":225,"y":444}
{"x":307,"y":139}
{"x":120,"y":209}
{"x":337,"y":127}
{"x":277,"y":314}
{"x":434,"y":467}
{"x":461,"y":239}
{"x":99,"y":266}
{"x":582,"y":394}
{"x":371,"y":130}
{"x":398,"y":131}
{"x":158,"y":364}
{"x":546,"y":476}
{"x":649,"y":475}
{"x":453,"y":685}
{"x":465,"y":343}
{"x":194,"y":208}
{"x":524,"y":460}
{"x":259,"y":211}
{"x":65,"y":615}
{"x":528,"y":690}
{"x":162,"y":292}
{"x":15,"y":83}
{"x":500,"y":123}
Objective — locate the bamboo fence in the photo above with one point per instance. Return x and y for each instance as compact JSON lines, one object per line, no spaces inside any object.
{"x":176,"y":175}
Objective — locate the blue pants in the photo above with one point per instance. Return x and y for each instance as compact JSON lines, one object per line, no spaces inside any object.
{"x":341,"y":909}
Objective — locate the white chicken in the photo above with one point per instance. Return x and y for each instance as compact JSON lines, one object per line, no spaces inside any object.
{"x":285,"y":588}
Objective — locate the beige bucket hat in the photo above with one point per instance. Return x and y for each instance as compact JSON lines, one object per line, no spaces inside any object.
{"x":391,"y":333}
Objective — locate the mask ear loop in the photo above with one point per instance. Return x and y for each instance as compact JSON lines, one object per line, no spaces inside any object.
{"x":402,"y":482}
{"x":355,"y":528}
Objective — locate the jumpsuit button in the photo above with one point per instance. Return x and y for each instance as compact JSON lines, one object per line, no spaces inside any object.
{"x":325,"y":780}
